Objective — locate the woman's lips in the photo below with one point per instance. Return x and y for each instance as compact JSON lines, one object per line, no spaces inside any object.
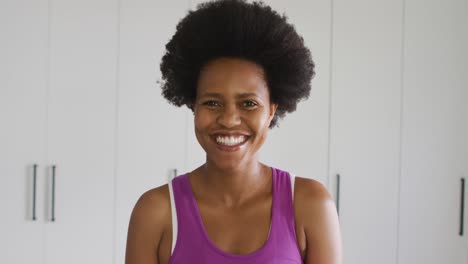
{"x":230,"y":142}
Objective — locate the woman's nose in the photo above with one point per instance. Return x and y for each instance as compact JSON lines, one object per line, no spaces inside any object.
{"x":229,"y":117}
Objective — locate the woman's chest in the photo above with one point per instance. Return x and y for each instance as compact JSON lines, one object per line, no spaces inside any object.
{"x":235,"y":231}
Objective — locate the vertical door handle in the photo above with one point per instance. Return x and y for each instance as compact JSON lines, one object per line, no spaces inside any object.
{"x":462,"y":205}
{"x":53,"y":195}
{"x":34,"y":192}
{"x":338,"y":183}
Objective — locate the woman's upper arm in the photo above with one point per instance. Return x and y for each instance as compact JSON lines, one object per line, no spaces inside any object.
{"x":321,"y":225}
{"x":146,"y":228}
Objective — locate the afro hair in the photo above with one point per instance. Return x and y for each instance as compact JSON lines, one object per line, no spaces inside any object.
{"x":236,"y":28}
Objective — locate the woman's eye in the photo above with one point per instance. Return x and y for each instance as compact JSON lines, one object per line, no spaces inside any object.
{"x":211,"y":103}
{"x":249,"y":104}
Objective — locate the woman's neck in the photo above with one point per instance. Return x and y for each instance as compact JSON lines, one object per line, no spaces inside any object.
{"x":233,"y":187}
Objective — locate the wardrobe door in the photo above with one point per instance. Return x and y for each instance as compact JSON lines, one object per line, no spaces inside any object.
{"x":81,"y":131}
{"x":151,"y":132}
{"x":435,"y":133}
{"x":23,"y":88}
{"x":365,"y":126}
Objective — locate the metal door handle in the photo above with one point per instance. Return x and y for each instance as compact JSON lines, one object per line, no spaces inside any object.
{"x":53,"y":194}
{"x":34,"y":192}
{"x":462,"y":205}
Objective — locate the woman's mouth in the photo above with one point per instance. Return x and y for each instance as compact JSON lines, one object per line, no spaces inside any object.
{"x":230,"y":143}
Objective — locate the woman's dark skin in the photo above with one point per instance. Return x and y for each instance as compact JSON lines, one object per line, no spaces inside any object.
{"x":233,"y":189}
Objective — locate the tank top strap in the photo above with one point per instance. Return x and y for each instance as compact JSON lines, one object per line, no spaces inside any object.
{"x":284,"y":208}
{"x":187,"y":225}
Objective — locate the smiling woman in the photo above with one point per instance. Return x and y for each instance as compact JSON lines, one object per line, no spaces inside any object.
{"x":239,"y":67}
{"x":232,"y":112}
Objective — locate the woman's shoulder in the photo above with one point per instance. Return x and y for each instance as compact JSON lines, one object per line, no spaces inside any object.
{"x":149,"y":222}
{"x":306,"y":189}
{"x":312,"y":200}
{"x":154,"y":204}
{"x":150,"y":218}
{"x":310,"y":189}
{"x":317,"y":216}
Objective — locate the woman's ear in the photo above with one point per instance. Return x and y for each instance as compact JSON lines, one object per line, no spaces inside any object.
{"x":273,"y":108}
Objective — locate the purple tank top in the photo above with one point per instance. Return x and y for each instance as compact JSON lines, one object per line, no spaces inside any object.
{"x":194,"y":246}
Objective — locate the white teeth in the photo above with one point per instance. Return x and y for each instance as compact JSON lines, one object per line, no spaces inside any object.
{"x":230,"y":141}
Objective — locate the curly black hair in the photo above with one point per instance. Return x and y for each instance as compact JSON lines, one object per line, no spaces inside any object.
{"x":236,"y":28}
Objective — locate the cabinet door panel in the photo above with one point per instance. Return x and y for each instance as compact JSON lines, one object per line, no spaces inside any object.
{"x":365,"y":126}
{"x":81,"y":130}
{"x":151,"y":132}
{"x":435,"y":129}
{"x":23,"y":87}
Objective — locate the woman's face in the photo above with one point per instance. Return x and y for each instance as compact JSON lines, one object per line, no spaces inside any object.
{"x":232,"y":111}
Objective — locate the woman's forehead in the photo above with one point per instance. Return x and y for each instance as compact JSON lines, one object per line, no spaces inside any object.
{"x":232,"y":75}
{"x":227,"y":67}
{"x":232,"y":87}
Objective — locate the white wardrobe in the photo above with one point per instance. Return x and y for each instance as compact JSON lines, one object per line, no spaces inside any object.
{"x":385,"y":127}
{"x":58,"y":111}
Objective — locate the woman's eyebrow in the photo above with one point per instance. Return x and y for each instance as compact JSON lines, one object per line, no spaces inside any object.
{"x":244,"y":95}
{"x":216,"y":95}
